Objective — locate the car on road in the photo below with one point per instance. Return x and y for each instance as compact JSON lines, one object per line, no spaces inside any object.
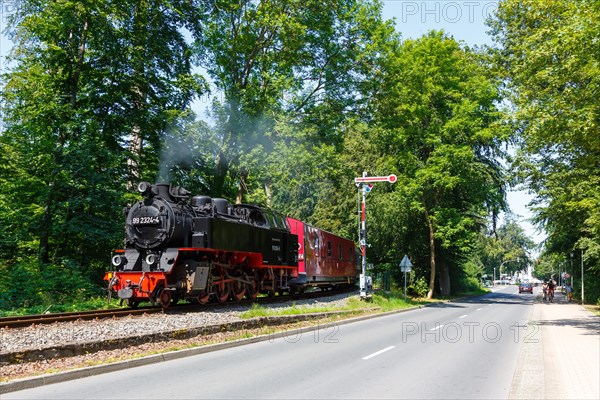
{"x":525,"y":287}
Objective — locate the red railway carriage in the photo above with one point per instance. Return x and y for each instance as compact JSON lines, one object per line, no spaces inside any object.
{"x":324,"y":259}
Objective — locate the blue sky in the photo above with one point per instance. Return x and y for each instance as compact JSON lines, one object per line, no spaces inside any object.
{"x":465,"y":20}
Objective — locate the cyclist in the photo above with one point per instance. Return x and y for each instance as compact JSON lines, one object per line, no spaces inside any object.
{"x":545,"y":290}
{"x":551,"y":287}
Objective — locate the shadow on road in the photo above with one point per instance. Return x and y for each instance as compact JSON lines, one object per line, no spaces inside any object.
{"x":498,"y":298}
{"x":588,"y":325}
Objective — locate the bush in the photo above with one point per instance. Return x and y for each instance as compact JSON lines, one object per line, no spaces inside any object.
{"x":418,"y":288}
{"x":26,"y":283}
{"x":20,"y":284}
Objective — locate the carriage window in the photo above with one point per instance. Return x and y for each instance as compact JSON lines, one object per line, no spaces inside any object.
{"x":328,"y":249}
{"x":316,"y":242}
{"x":340,"y":254}
{"x":351,"y":253}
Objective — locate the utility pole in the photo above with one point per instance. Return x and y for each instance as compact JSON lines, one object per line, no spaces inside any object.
{"x":582,"y":292}
{"x":571,"y":269}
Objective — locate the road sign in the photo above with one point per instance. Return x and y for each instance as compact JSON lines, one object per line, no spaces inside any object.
{"x":368,"y":179}
{"x":405,"y":264}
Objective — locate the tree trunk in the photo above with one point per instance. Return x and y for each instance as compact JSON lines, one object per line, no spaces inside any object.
{"x":139,"y":96}
{"x":431,"y":250}
{"x":221,"y":168}
{"x":242,"y":187}
{"x":268,"y":192}
{"x":71,"y":92}
{"x":45,"y":228}
{"x":444,"y":277}
{"x":135,"y":153}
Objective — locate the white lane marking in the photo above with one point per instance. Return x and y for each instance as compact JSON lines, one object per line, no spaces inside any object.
{"x":479,"y":309}
{"x":436,"y":328}
{"x":378,"y":352}
{"x":461,"y":317}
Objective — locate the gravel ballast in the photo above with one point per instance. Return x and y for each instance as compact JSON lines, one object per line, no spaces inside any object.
{"x":102,"y":341}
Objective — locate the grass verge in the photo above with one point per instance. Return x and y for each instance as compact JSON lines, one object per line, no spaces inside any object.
{"x":96,"y":303}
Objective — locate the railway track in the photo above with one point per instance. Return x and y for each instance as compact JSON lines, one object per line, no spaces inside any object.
{"x":38,"y":319}
{"x":28,"y":320}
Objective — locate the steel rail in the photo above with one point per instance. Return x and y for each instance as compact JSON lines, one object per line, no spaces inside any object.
{"x":29,"y":320}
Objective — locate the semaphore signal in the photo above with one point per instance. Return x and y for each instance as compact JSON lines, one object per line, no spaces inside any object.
{"x":362,"y":233}
{"x":368,"y":179}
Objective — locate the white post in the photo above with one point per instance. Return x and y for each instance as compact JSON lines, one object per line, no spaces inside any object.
{"x":572,"y":270}
{"x":582,"y":292}
{"x":404,"y":285}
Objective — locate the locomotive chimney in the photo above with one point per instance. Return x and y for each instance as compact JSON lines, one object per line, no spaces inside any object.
{"x":163,"y":190}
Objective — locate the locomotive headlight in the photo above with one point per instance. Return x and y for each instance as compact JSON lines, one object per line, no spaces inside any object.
{"x":150,"y":259}
{"x":143,"y":186}
{"x":118,"y":261}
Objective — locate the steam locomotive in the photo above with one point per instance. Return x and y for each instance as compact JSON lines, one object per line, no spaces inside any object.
{"x":199,"y":248}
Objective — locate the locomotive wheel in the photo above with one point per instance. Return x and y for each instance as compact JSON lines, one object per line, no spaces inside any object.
{"x":252,"y":289}
{"x":165,"y":298}
{"x":132,"y":303}
{"x":203,"y":298}
{"x":222,"y":292}
{"x":238,"y":289}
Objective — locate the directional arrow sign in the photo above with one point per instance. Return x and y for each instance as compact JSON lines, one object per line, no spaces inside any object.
{"x":367,"y":179}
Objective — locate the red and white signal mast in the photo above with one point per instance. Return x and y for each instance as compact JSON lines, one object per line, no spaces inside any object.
{"x":367,"y":184}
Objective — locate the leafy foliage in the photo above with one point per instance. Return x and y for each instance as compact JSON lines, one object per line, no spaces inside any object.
{"x":85,"y":76}
{"x":311,"y":94}
{"x":548,"y":54}
{"x":441,"y":130}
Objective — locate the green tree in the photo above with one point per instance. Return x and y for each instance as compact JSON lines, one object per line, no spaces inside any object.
{"x":86,"y":77}
{"x":508,"y":247}
{"x":549,"y":55}
{"x":283,"y":68}
{"x":441,"y":130}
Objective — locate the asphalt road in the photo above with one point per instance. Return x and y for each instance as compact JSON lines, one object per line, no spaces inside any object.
{"x":464,"y":349}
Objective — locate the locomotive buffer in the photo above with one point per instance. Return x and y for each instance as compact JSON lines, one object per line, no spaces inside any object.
{"x":367,"y":184}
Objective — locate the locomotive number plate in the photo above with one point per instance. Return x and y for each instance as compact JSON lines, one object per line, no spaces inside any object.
{"x":145,"y":220}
